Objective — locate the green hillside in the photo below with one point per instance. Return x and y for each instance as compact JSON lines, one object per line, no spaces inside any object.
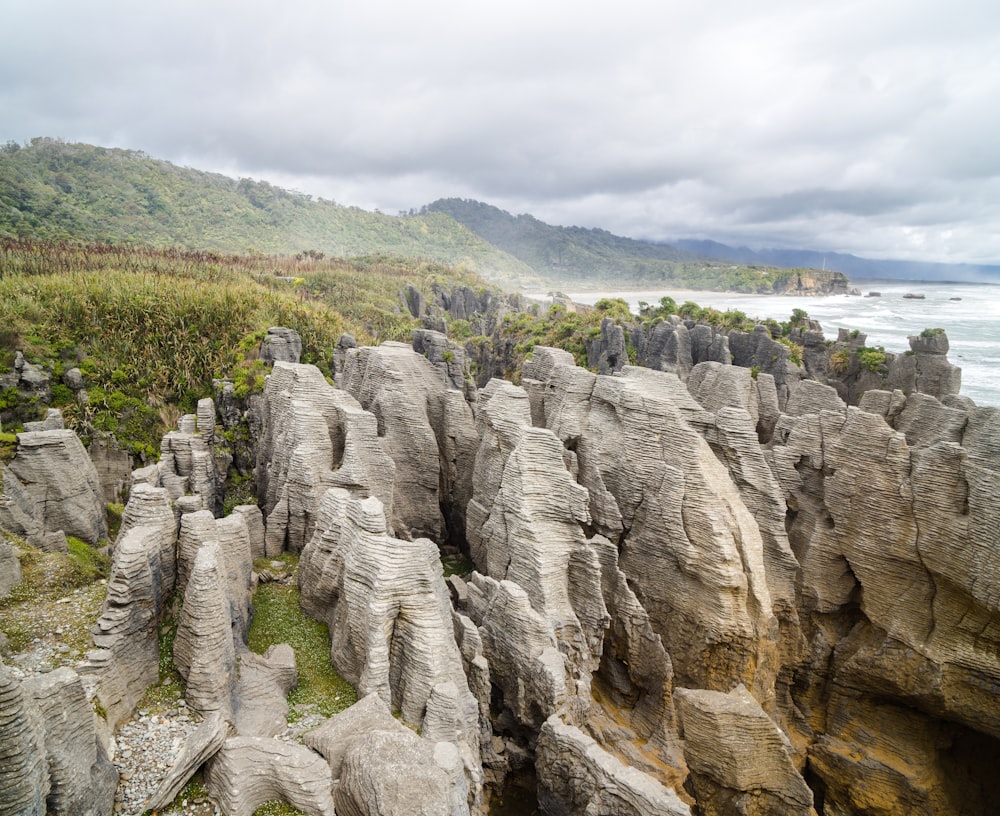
{"x":574,"y":255}
{"x":56,"y":190}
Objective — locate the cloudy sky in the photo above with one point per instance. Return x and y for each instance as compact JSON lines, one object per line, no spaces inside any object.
{"x":852,"y":125}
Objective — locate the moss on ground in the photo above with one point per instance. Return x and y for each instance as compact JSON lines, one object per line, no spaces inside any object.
{"x":278,"y":618}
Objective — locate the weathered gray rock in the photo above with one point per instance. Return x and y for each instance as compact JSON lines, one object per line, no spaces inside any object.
{"x":10,"y":567}
{"x":447,"y":357}
{"x":261,"y":703}
{"x":739,"y":760}
{"x":61,"y":483}
{"x":82,"y":780}
{"x":575,"y":775}
{"x":666,"y":347}
{"x":53,"y":422}
{"x":391,"y":774}
{"x":428,"y":429}
{"x":281,"y":344}
{"x":249,"y":771}
{"x":126,"y":660}
{"x":24,"y":776}
{"x":204,"y":651}
{"x":693,"y":549}
{"x":313,"y":437}
{"x":236,"y":566}
{"x":337,"y":736}
{"x":18,"y":514}
{"x":202,"y":744}
{"x":525,"y":528}
{"x":113,"y":466}
{"x":187,"y":465}
{"x":255,"y":528}
{"x":390,"y":620}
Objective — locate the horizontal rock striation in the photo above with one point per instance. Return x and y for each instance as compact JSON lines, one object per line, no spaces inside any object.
{"x":387,"y":608}
{"x":428,"y":428}
{"x":575,"y":775}
{"x":249,"y":771}
{"x":313,"y":437}
{"x":59,"y":487}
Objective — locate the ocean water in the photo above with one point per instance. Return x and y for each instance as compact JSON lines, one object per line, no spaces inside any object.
{"x":968,"y":312}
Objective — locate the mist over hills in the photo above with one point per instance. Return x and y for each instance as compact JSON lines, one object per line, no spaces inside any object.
{"x":851,"y":265}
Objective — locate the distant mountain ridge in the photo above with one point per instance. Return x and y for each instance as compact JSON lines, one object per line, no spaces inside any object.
{"x":578,"y":255}
{"x":851,"y":265}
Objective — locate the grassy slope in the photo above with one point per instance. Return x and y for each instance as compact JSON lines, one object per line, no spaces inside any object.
{"x":55,"y":190}
{"x":151,"y":328}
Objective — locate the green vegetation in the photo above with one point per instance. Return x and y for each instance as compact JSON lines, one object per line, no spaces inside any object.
{"x":794,"y":350}
{"x":930,"y":333}
{"x":149,"y":328}
{"x":840,"y":361}
{"x":872,"y":358}
{"x":279,"y":619}
{"x":55,"y":190}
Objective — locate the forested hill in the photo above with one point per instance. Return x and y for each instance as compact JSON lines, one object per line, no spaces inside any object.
{"x":579,"y":255}
{"x":51,"y":189}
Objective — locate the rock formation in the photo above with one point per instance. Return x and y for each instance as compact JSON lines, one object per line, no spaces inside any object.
{"x":10,"y":568}
{"x":281,"y":343}
{"x":428,"y":429}
{"x":143,"y":573}
{"x":383,"y":767}
{"x":740,"y":761}
{"x":82,"y":781}
{"x":313,"y":437}
{"x":59,"y":490}
{"x":249,"y":771}
{"x":575,"y":775}
{"x":387,"y":608}
{"x":24,"y":777}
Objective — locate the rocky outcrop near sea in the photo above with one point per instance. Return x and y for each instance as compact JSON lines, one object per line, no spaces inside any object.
{"x":693,"y":587}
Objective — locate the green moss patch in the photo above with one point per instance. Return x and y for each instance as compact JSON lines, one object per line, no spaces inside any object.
{"x":278,"y":618}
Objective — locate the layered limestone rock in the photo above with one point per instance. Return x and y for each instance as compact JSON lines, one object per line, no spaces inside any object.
{"x":575,"y":775}
{"x":894,"y":520}
{"x":126,"y":660}
{"x":203,"y":649}
{"x":203,"y":743}
{"x":82,"y":781}
{"x":382,"y":767}
{"x":428,"y":428}
{"x":236,"y":565}
{"x":113,"y":466}
{"x":10,"y":567}
{"x":24,"y":776}
{"x":249,"y":771}
{"x":17,"y":515}
{"x":693,"y":549}
{"x":389,"y":615}
{"x":313,"y":437}
{"x":59,"y":483}
{"x":525,"y":532}
{"x":281,"y":343}
{"x":187,"y":463}
{"x":739,"y":760}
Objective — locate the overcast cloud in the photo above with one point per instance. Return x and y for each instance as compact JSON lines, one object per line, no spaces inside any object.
{"x":852,"y":126}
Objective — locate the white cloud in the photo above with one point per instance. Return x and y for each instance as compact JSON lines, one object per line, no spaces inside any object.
{"x":836,"y":125}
